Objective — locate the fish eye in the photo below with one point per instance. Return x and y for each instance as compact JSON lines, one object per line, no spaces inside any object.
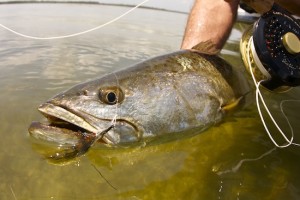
{"x":111,"y":98}
{"x":111,"y":95}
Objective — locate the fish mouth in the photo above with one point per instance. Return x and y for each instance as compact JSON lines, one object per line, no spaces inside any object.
{"x":61,"y":121}
{"x":66,"y":129}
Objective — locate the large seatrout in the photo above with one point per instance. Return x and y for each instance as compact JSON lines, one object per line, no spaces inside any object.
{"x":172,"y":93}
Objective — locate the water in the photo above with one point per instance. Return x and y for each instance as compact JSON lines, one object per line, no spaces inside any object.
{"x":225,"y":162}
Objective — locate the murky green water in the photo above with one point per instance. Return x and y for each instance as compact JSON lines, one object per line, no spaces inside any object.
{"x":221,"y":163}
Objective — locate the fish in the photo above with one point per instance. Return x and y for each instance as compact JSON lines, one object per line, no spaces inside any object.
{"x":163,"y":96}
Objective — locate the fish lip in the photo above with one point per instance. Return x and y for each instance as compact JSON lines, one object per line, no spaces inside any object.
{"x":60,"y":136}
{"x":64,"y":114}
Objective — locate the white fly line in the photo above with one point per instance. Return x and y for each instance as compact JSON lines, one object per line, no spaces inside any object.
{"x":74,"y":34}
{"x":259,"y":99}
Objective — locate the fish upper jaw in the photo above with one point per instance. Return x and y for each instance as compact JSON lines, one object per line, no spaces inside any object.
{"x":51,"y":110}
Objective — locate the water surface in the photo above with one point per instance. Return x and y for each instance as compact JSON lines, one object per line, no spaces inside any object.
{"x":224,"y":162}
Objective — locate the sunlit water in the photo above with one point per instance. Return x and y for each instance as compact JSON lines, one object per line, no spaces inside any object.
{"x":225,"y":162}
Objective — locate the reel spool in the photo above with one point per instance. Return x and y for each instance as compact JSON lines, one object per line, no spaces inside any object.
{"x":271,"y":48}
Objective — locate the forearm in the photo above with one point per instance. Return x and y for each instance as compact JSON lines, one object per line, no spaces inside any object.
{"x":210,"y":20}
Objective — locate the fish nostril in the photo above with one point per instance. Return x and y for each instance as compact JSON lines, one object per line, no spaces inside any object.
{"x":82,"y":93}
{"x":85,"y":92}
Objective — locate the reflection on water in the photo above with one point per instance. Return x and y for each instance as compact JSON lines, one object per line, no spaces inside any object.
{"x":191,"y":168}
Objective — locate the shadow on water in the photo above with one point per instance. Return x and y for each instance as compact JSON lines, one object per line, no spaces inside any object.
{"x":205,"y":166}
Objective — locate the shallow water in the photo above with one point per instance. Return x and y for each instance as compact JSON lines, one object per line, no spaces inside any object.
{"x":228,"y":161}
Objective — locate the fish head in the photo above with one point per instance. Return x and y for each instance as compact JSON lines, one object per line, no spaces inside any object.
{"x":92,"y":110}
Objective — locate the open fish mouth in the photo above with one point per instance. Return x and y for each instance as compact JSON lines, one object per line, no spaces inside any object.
{"x":65,"y":129}
{"x":60,"y":121}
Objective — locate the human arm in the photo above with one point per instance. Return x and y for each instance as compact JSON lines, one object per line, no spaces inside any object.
{"x":210,"y":20}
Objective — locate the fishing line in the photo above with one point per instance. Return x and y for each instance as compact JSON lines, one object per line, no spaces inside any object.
{"x":114,"y":120}
{"x":259,"y":97}
{"x":285,"y":116}
{"x":74,"y":34}
{"x":104,"y":178}
{"x":241,"y":162}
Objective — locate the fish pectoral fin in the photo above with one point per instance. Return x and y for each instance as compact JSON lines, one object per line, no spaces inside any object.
{"x":207,"y":47}
{"x":232,"y":104}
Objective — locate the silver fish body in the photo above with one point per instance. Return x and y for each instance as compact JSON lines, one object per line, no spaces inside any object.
{"x":164,"y":95}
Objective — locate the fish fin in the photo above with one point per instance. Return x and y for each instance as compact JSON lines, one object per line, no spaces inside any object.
{"x":232,"y":105}
{"x":207,"y":47}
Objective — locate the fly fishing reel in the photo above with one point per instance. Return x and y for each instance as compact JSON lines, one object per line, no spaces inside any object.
{"x":271,"y":50}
